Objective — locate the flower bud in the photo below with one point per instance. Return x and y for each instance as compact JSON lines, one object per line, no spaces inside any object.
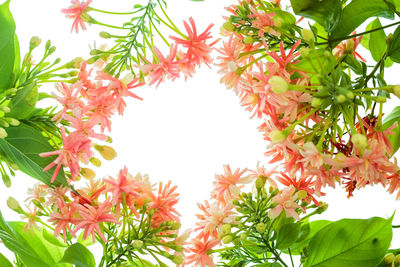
{"x":359,"y":141}
{"x":248,"y":40}
{"x":226,"y":229}
{"x":12,"y":121}
{"x":389,"y":258}
{"x":278,"y":22}
{"x":138,"y":244}
{"x":243,"y":236}
{"x":88,"y":173}
{"x":322,"y":208}
{"x":396,"y":261}
{"x":105,"y":35}
{"x":5,"y":109}
{"x":341,"y":99}
{"x":175,"y":225}
{"x":396,"y":91}
{"x":316,"y":102}
{"x":381,"y":99}
{"x":228,"y":26}
{"x":278,"y":85}
{"x":13,"y":204}
{"x":227,"y":239}
{"x":35,"y":42}
{"x":308,"y":36}
{"x":3,"y":133}
{"x":260,"y":228}
{"x":95,"y":161}
{"x":301,"y":194}
{"x":304,"y":52}
{"x":107,"y":152}
{"x":260,"y":183}
{"x":277,"y":136}
{"x":178,"y":260}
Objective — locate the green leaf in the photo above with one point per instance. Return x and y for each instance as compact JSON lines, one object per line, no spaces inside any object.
{"x":17,"y":244}
{"x":23,"y":103}
{"x":313,"y":228}
{"x":48,"y":252}
{"x":287,"y":235}
{"x":377,"y":41}
{"x":4,"y":262}
{"x":350,"y":243}
{"x":357,"y":12}
{"x":49,"y":237}
{"x":78,"y":255}
{"x":327,"y":12}
{"x":353,"y":63}
{"x":22,"y":146}
{"x":394,"y":47}
{"x":389,"y":120}
{"x":7,"y":50}
{"x":17,"y":55}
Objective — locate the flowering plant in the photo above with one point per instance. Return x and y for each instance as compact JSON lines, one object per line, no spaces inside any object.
{"x":323,"y":109}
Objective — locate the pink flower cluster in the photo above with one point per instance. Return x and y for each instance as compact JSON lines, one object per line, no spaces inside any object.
{"x":103,"y":201}
{"x":88,"y":106}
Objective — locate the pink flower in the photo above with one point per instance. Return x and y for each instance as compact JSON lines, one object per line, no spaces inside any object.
{"x":285,"y":59}
{"x":69,"y":99}
{"x":286,"y":200}
{"x":264,"y":174}
{"x":32,"y":216}
{"x":311,"y":155}
{"x":63,"y":219}
{"x":92,"y":217}
{"x":214,"y":217}
{"x":66,"y":156}
{"x":77,"y":12}
{"x":166,"y":67}
{"x":227,"y":185}
{"x":38,"y":192}
{"x":122,"y":187}
{"x":120,"y":89}
{"x":163,"y":203}
{"x":199,"y":255}
{"x":198,"y":51}
{"x":100,"y":110}
{"x":303,"y":183}
{"x":349,"y":46}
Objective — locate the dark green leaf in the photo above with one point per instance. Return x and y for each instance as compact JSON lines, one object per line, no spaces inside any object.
{"x":394,"y":47}
{"x":355,"y":13}
{"x":48,"y":252}
{"x":22,"y":146}
{"x":7,"y":49}
{"x":23,"y":103}
{"x":4,"y":262}
{"x":377,"y":41}
{"x":350,"y":243}
{"x":287,"y":235}
{"x":78,"y":255}
{"x":327,"y":12}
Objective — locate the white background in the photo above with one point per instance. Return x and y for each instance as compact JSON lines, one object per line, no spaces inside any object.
{"x":182,"y":131}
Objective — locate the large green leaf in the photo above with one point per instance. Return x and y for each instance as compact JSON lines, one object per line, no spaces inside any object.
{"x":23,"y":146}
{"x":350,"y":243}
{"x":24,"y":102}
{"x":78,"y":255}
{"x":377,"y":41}
{"x":17,"y":244}
{"x":327,"y":12}
{"x":389,"y":120}
{"x":7,"y":50}
{"x":4,"y":262}
{"x":355,"y":13}
{"x":287,"y":235}
{"x":48,"y":252}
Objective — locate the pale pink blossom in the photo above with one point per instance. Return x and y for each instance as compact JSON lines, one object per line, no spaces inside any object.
{"x":77,"y":11}
{"x":198,"y":253}
{"x":286,"y":200}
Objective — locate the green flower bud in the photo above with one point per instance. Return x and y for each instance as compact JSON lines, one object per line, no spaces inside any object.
{"x":396,"y":91}
{"x":226,"y":229}
{"x":359,"y":141}
{"x":229,"y":26}
{"x":88,"y":173}
{"x":396,"y":261}
{"x":3,"y":133}
{"x":227,"y":239}
{"x":248,"y":40}
{"x":105,"y":35}
{"x":107,"y":152}
{"x":381,"y":99}
{"x":260,"y":228}
{"x":316,"y":102}
{"x":341,"y":99}
{"x":178,"y":260}
{"x":137,"y":244}
{"x":5,"y":109}
{"x":95,"y":161}
{"x":13,"y":204}
{"x":35,"y":42}
{"x":259,"y":183}
{"x":389,"y":258}
{"x":308,"y":36}
{"x":278,"y":85}
{"x":277,"y":136}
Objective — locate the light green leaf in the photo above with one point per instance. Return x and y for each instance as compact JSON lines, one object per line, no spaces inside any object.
{"x":377,"y":41}
{"x":389,"y":120}
{"x":356,"y":13}
{"x":287,"y":235}
{"x":24,"y":101}
{"x":78,"y":255}
{"x":22,"y":146}
{"x":327,"y":12}
{"x":48,"y":252}
{"x":7,"y":49}
{"x":4,"y":262}
{"x":350,"y":243}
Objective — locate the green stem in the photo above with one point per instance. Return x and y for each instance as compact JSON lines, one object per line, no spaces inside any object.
{"x":109,"y":12}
